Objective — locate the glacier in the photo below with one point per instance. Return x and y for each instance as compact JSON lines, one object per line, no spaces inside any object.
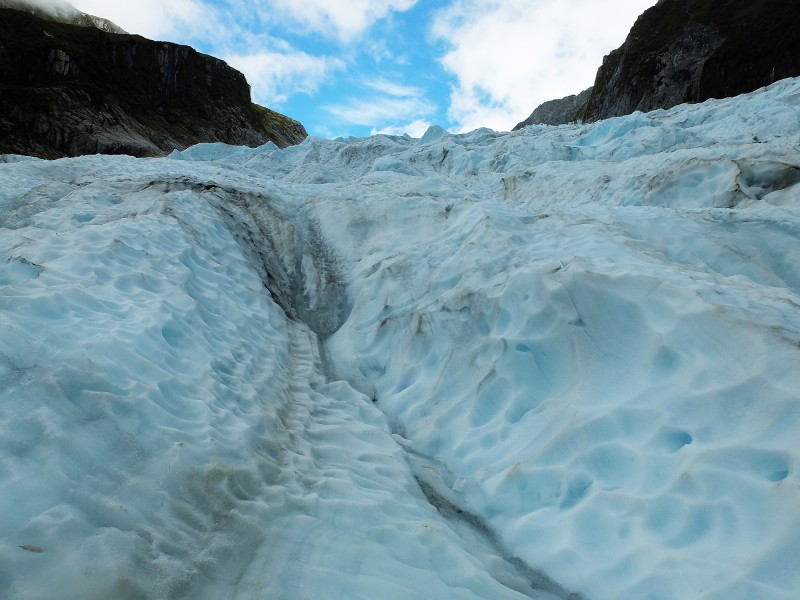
{"x":560,"y":362}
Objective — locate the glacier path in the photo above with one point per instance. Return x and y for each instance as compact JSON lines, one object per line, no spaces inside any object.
{"x":455,"y":367}
{"x":167,"y":432}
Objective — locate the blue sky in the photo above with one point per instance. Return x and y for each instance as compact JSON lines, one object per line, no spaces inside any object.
{"x":358,"y":67}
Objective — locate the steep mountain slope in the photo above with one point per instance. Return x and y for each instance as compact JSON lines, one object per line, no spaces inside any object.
{"x":692,"y":50}
{"x":67,"y":90}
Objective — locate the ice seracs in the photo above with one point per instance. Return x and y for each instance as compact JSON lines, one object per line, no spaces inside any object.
{"x":558,"y":361}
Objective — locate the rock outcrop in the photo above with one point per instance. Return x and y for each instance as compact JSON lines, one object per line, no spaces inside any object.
{"x":692,"y":50}
{"x":67,"y":90}
{"x":557,"y":112}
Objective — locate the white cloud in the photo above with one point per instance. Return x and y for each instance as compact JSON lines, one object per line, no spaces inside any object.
{"x":273,"y":76}
{"x":341,"y":19}
{"x":54,"y":7}
{"x":509,"y":56}
{"x":377,"y":111}
{"x":182,"y":20}
{"x":174,"y":20}
{"x":386,"y":108}
{"x":390,"y":88}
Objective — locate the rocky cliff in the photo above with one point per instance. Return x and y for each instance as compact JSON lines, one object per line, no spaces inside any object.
{"x":557,"y":112}
{"x":68,"y":90}
{"x":692,"y":50}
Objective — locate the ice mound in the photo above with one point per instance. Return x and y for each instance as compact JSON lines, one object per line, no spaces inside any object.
{"x":555,"y":363}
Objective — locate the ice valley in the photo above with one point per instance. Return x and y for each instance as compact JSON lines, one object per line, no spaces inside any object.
{"x":555,"y":363}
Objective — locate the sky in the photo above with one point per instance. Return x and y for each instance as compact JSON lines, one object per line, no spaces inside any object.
{"x":361,"y":67}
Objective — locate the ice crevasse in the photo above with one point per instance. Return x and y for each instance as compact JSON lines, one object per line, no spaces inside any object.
{"x":555,"y":363}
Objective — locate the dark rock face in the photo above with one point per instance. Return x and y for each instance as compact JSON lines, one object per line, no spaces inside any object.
{"x":67,"y":90}
{"x":692,"y":50}
{"x":688,"y":51}
{"x":557,"y":112}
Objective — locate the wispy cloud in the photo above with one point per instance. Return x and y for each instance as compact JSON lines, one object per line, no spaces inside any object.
{"x":344,"y":20}
{"x":377,"y":111}
{"x":273,"y":76}
{"x":391,"y":88}
{"x":508,"y":56}
{"x":386,"y":107}
{"x":54,"y":7}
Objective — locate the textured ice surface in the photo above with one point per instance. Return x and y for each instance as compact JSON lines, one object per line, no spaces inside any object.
{"x":561,"y":360}
{"x":167,"y":432}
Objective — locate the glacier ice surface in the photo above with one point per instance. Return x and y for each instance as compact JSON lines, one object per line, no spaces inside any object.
{"x":494,"y":365}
